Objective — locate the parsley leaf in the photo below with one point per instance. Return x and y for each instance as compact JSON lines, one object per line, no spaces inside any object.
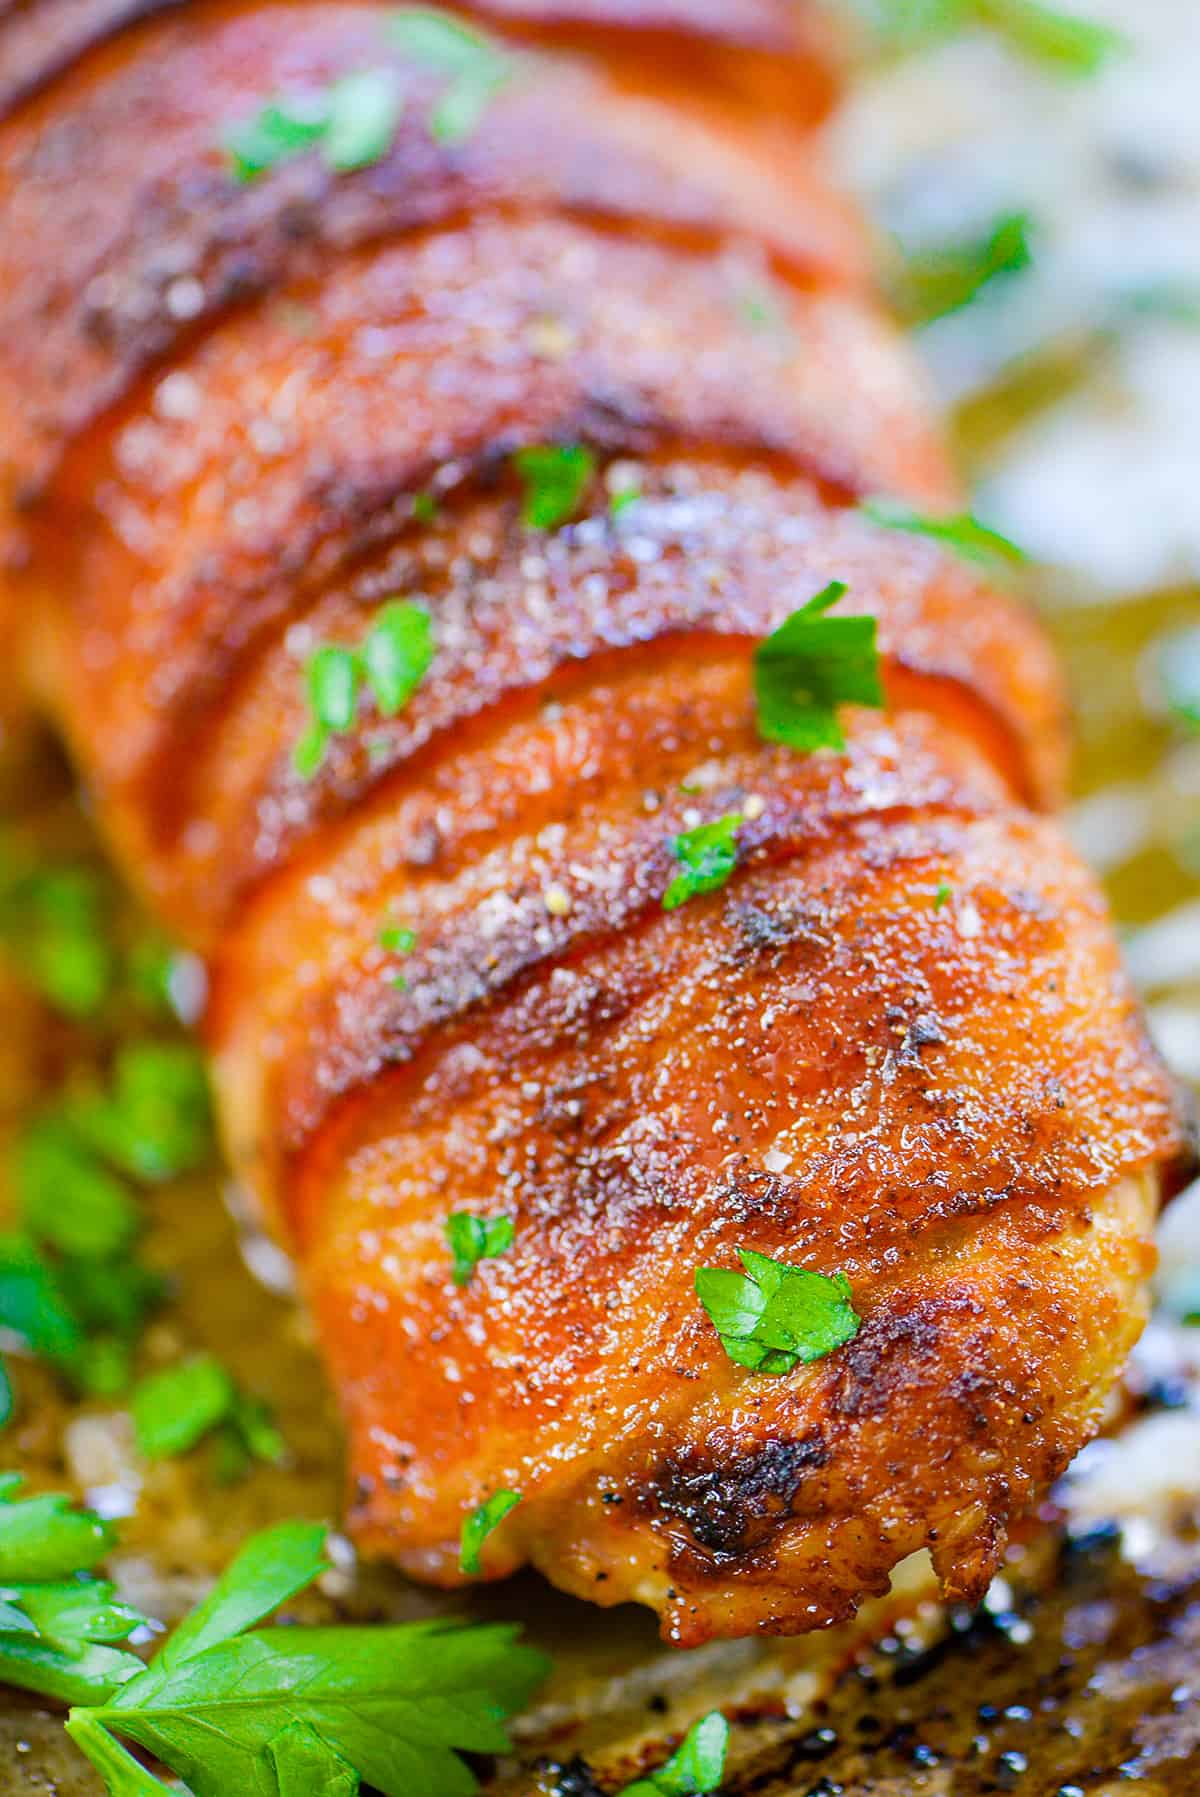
{"x":396,"y":654}
{"x":474,"y":68}
{"x":808,"y":667}
{"x":974,"y":541}
{"x":34,"y":1306}
{"x":273,"y":1566}
{"x":696,"y":1767}
{"x":774,"y":1315}
{"x":472,"y":1239}
{"x":283,"y":1712}
{"x":175,"y":1408}
{"x":707,"y":855}
{"x":555,"y":476}
{"x":944,"y":278}
{"x":393,"y":660}
{"x":479,"y":1525}
{"x":943,"y":895}
{"x":155,"y":1121}
{"x":364,"y":110}
{"x":54,"y":921}
{"x":67,"y":1197}
{"x":397,"y":940}
{"x":353,"y":121}
{"x":44,"y":1538}
{"x":56,"y":1624}
{"x":305,"y":1766}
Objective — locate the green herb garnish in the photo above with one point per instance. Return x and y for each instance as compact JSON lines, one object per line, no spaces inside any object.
{"x":773,"y":1315}
{"x":67,"y":1197}
{"x":57,"y":1626}
{"x":555,"y":476}
{"x":944,"y":278}
{"x":472,"y":1239}
{"x":943,"y":895}
{"x":474,"y":68}
{"x":298,"y":1710}
{"x":961,"y":532}
{"x":397,"y":940}
{"x":177,"y":1407}
{"x":696,"y":1767}
{"x":707,"y":856}
{"x":55,"y":923}
{"x":155,"y":1120}
{"x":392,"y":661}
{"x":71,"y":1285}
{"x":479,"y":1525}
{"x":353,"y":122}
{"x":811,"y":665}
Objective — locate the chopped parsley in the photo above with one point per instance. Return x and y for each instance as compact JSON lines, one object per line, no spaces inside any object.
{"x":474,"y":68}
{"x":808,"y":667}
{"x":472,"y":1239}
{"x":943,"y":278}
{"x":177,"y":1407}
{"x":391,"y":662}
{"x":961,"y":532}
{"x":622,"y":500}
{"x":555,"y":476}
{"x":397,"y":940}
{"x":352,"y":121}
{"x":71,"y":1285}
{"x":479,"y":1525}
{"x":943,"y":895}
{"x":155,"y":1120}
{"x":696,"y":1767}
{"x":424,"y":508}
{"x":707,"y":856}
{"x":54,"y":921}
{"x":773,"y":1315}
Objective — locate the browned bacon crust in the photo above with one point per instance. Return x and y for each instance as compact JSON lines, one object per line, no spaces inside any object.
{"x":217,"y":406}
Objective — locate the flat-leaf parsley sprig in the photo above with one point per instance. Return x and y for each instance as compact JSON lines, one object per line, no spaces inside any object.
{"x":773,"y":1316}
{"x":391,"y":661}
